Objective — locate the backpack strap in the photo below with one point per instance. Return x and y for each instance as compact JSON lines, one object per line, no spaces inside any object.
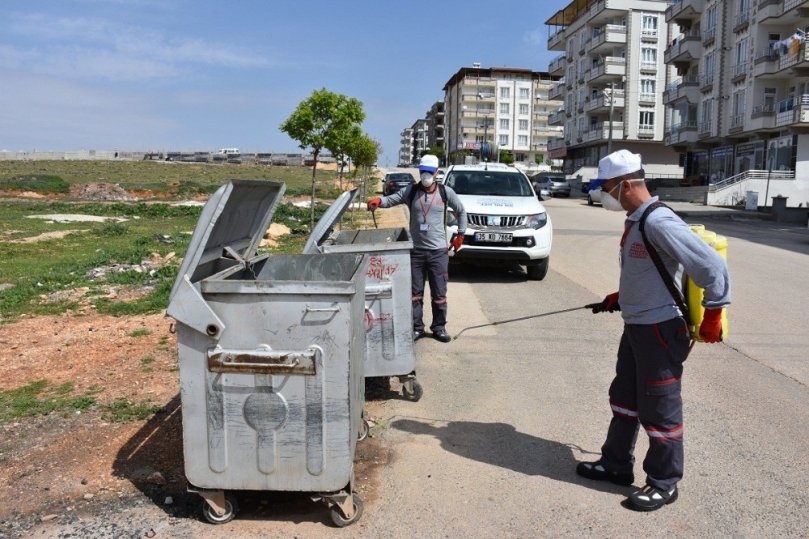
{"x":661,"y":268}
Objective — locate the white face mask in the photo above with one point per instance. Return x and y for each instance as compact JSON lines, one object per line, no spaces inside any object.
{"x":610,"y":203}
{"x":427,"y":179}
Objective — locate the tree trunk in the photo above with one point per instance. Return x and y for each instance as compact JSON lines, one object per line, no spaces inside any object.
{"x":312,"y":203}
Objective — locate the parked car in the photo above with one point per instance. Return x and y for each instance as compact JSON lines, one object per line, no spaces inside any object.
{"x":556,"y":183}
{"x":439,"y":177}
{"x":542,"y":186}
{"x":506,"y":221}
{"x":594,"y":196}
{"x":396,"y":180}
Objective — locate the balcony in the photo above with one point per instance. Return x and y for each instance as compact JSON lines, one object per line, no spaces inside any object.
{"x":602,"y":103}
{"x":601,"y":131}
{"x":706,"y":83}
{"x":646,"y":131}
{"x":547,"y":131}
{"x":682,"y":133}
{"x":769,"y":8}
{"x":601,"y":13}
{"x":648,"y":67}
{"x":649,"y":34}
{"x":557,"y":118}
{"x":557,"y":92}
{"x":684,"y":10}
{"x":487,"y":82}
{"x":741,"y":21}
{"x":556,"y":42}
{"x":686,"y":48}
{"x":478,"y":113}
{"x":763,"y":117}
{"x":607,"y":38}
{"x":738,"y":72}
{"x":793,"y":112}
{"x":611,"y":67}
{"x":647,"y":98}
{"x":557,"y":65}
{"x":687,"y":88}
{"x":736,"y":124}
{"x":708,"y":36}
{"x":556,"y":143}
{"x":705,"y":129}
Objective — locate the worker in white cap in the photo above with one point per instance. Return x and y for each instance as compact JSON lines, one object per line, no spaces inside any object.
{"x":429,"y":259}
{"x":657,"y":247}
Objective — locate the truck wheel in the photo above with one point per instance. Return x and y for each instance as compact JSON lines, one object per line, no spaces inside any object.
{"x":538,"y":272}
{"x":589,"y":200}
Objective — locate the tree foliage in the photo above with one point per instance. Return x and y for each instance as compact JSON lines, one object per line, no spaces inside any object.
{"x":323,"y":120}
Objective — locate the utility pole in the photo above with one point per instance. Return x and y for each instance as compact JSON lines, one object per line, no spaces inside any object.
{"x":612,"y":108}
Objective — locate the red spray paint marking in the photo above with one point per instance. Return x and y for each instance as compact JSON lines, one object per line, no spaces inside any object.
{"x":377,"y":269}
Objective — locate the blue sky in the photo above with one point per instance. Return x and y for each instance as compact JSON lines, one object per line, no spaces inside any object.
{"x":201,"y":75}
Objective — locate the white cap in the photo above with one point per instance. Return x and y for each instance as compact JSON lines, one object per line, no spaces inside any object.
{"x":618,"y":164}
{"x":428,"y":163}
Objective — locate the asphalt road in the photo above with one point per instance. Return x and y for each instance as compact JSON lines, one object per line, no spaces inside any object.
{"x":509,"y":409}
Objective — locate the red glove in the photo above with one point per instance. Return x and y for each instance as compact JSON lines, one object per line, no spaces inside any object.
{"x":711,"y":328}
{"x":610,"y":304}
{"x":456,"y":242}
{"x":374,"y":203}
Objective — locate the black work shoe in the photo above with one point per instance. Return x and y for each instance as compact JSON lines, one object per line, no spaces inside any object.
{"x":441,"y":335}
{"x":418,"y":335}
{"x":594,"y":470}
{"x":650,"y":498}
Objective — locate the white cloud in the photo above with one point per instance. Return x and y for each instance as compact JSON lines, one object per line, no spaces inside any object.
{"x":535,"y":37}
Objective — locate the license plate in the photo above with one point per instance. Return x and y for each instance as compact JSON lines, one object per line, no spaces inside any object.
{"x":493,"y":237}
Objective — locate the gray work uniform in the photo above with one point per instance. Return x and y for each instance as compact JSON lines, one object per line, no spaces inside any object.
{"x":655,"y":342}
{"x":429,"y":260}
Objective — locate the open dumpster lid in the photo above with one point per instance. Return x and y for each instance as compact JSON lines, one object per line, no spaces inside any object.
{"x":325,"y":225}
{"x":235,"y":218}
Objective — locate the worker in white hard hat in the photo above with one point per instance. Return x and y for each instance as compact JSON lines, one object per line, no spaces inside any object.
{"x":429,"y":259}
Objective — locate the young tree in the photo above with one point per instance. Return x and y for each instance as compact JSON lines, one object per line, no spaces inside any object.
{"x":339,"y":144}
{"x":364,"y":152}
{"x":317,"y":121}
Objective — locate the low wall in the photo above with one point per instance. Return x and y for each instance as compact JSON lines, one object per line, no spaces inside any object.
{"x":796,"y":192}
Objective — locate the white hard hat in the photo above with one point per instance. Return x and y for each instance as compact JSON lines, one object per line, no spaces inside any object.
{"x":428,"y":163}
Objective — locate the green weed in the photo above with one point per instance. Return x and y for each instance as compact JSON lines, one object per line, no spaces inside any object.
{"x":140,"y":332}
{"x":123,"y":410}
{"x":37,"y":399}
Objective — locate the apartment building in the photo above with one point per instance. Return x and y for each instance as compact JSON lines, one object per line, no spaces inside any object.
{"x":737,"y":105}
{"x":435,"y":125}
{"x":613,"y":78}
{"x":495,"y":110}
{"x":406,"y":147}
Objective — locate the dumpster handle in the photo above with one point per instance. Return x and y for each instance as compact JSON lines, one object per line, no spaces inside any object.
{"x":325,"y":310}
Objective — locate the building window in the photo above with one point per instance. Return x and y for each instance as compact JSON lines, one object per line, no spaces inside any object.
{"x":525,"y":93}
{"x":521,"y":158}
{"x":504,"y":123}
{"x":523,"y":125}
{"x":649,"y":23}
{"x":647,"y":89}
{"x":522,"y":140}
{"x":505,"y":93}
{"x":504,"y":108}
{"x":523,"y":108}
{"x":647,"y":119}
{"x":503,"y":140}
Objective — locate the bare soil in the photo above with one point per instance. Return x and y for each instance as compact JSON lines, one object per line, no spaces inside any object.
{"x":61,"y":470}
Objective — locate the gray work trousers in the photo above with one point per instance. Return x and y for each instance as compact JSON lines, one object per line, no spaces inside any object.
{"x":431,"y":266}
{"x":646,"y":391}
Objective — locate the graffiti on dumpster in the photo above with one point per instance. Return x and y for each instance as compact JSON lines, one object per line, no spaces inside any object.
{"x":370,"y":319}
{"x":378,"y":269}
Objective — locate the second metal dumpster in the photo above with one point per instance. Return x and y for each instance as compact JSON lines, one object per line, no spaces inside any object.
{"x":271,"y":352}
{"x":388,"y":292}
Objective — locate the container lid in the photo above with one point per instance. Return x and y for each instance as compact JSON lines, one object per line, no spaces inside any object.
{"x":325,"y":225}
{"x":234,"y":218}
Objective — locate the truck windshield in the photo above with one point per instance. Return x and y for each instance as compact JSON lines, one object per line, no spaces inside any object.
{"x":489,"y":183}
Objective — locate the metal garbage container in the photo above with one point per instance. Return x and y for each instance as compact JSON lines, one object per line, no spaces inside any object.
{"x":271,"y":352}
{"x":388,"y":292}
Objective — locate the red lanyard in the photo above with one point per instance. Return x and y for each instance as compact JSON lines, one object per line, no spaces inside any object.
{"x":427,"y":211}
{"x":627,"y":228}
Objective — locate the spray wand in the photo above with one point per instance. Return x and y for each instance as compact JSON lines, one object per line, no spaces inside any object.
{"x":497,"y":323}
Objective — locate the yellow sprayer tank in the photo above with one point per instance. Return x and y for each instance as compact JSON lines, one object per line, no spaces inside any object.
{"x":694,"y":294}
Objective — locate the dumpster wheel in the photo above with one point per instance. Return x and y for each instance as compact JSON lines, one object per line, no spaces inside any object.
{"x":230,"y":509}
{"x":412,"y":389}
{"x":365,"y":428}
{"x":337,"y":515}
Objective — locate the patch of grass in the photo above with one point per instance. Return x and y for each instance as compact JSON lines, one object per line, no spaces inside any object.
{"x":123,"y":410}
{"x":45,"y":184}
{"x":111,"y":229}
{"x":140,"y":332}
{"x":37,"y":398}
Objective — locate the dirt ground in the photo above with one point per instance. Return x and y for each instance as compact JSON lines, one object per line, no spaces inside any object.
{"x":56,"y":469}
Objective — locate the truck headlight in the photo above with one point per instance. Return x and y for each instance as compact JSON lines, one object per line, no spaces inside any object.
{"x":536,"y":221}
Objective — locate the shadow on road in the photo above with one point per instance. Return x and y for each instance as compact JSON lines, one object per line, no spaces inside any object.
{"x":469,"y":272}
{"x":500,"y":444}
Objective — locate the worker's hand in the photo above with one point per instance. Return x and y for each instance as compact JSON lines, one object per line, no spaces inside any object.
{"x":610,"y":304}
{"x":456,"y":242}
{"x":711,"y":328}
{"x":374,"y":203}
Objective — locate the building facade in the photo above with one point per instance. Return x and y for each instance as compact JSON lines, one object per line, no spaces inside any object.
{"x":737,"y":103}
{"x":406,"y":148}
{"x":613,"y":77}
{"x":488,"y":111}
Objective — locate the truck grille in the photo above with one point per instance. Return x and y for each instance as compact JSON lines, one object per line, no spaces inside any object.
{"x":496,"y":221}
